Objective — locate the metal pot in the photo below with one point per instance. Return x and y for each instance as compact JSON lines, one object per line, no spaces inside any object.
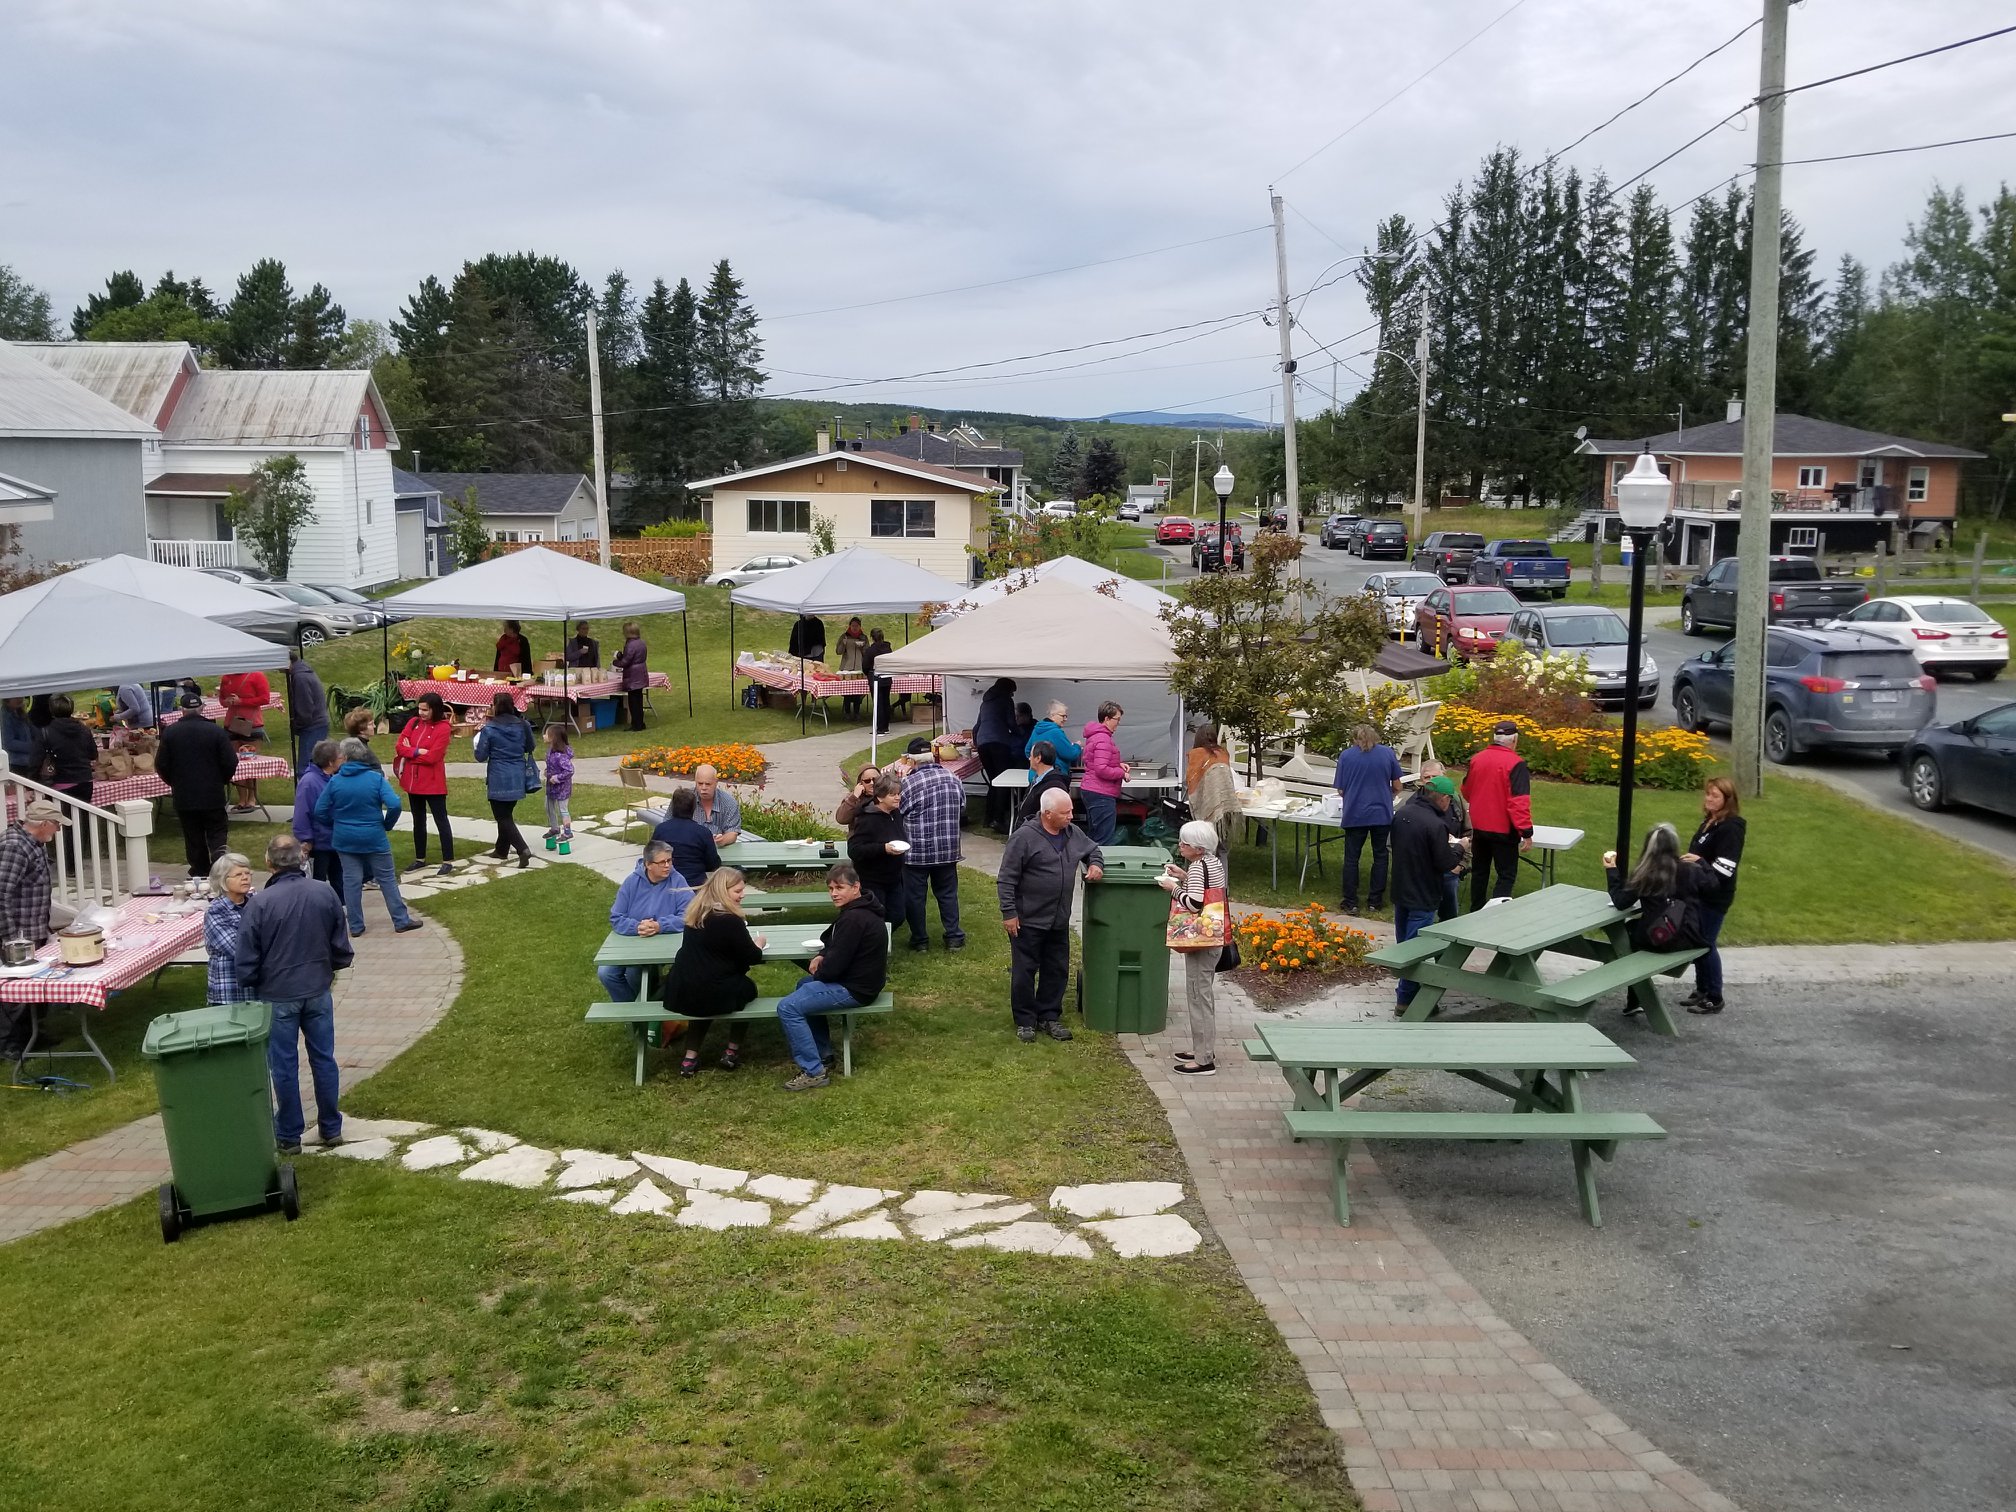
{"x":17,"y":952}
{"x":82,"y":945}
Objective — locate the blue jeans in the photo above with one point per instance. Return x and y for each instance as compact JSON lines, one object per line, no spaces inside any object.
{"x":943,"y":882}
{"x":622,"y":983}
{"x":1708,"y":968}
{"x":305,"y":741}
{"x":379,"y":864}
{"x":803,"y":1017}
{"x":1407,"y":923}
{"x":314,"y":1020}
{"x":1101,"y":816}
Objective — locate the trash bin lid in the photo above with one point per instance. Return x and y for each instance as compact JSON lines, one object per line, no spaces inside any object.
{"x":207,"y":1028}
{"x":1137,"y":865}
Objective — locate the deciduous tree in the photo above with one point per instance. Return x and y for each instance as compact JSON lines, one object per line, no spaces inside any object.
{"x":270,"y":510}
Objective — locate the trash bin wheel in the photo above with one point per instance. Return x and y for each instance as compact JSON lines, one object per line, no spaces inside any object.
{"x":290,"y":1194}
{"x":171,"y":1214}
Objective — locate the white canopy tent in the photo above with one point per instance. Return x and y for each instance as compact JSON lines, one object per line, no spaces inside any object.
{"x":537,"y":584}
{"x":1059,"y":640}
{"x":198,"y":593}
{"x":1069,"y":569}
{"x":69,"y":633}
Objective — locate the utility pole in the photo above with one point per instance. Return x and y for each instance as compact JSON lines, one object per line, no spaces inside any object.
{"x":595,"y":419}
{"x":1753,"y":544}
{"x":1420,"y":422}
{"x":1294,"y":481}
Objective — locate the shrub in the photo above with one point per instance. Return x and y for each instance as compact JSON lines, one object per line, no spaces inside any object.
{"x":1667,"y":758}
{"x":676,"y":530}
{"x":1550,"y":690}
{"x":1302,"y":941}
{"x":785,"y":820}
{"x":734,"y":762}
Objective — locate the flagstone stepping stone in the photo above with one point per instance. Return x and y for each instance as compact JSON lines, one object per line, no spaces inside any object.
{"x":520,"y":1166}
{"x":944,"y":1225}
{"x":1117,"y":1199}
{"x":929,"y":1201}
{"x":489,"y":1141}
{"x":874,"y":1226}
{"x":645,"y":1197}
{"x":600,"y":1196}
{"x":686,"y":1173}
{"x":838,"y":1202}
{"x":382,"y":1128}
{"x":1027,"y":1239}
{"x":358,"y":1149}
{"x":792,"y":1189}
{"x":1152,"y":1235}
{"x":709,"y":1210}
{"x":427,"y":1154}
{"x":587,"y":1168}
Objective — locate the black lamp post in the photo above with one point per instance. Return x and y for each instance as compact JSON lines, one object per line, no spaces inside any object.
{"x":1221,"y":483}
{"x":1643,"y":495}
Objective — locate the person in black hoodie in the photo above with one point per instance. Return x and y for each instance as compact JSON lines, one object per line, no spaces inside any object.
{"x":850,"y":970}
{"x":1717,"y":848}
{"x":710,"y":974}
{"x":196,"y":760}
{"x":877,"y":826}
{"x":1045,"y":775}
{"x":1665,"y":890}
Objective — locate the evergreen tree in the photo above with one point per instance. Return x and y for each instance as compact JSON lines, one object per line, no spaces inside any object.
{"x":730,"y":379}
{"x":24,"y":309}
{"x":1105,"y":470}
{"x":315,"y":330}
{"x":122,"y":291}
{"x":616,"y":342}
{"x":258,"y":322}
{"x":1066,"y":464}
{"x":666,"y":394}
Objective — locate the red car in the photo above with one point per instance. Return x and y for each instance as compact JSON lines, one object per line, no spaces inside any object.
{"x":1175,"y":531}
{"x":1463,"y":621}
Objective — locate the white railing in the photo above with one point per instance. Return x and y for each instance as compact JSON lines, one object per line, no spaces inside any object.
{"x":194,"y":553}
{"x":101,"y":857}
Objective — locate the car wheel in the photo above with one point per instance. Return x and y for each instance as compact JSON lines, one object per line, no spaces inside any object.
{"x":1686,"y":709}
{"x":1927,"y":789}
{"x":1688,"y":624}
{"x":1779,"y":747}
{"x":311,"y":636}
{"x":1985,"y":674}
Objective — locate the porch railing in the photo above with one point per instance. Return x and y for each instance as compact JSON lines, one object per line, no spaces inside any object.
{"x":101,"y":857}
{"x":194,"y":553}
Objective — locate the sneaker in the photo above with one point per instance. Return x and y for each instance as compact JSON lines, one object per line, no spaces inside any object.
{"x":919,"y":947}
{"x":291,"y":1149}
{"x":370,"y":884}
{"x":1696,"y":996}
{"x":355,"y":932}
{"x":1197,"y":1068}
{"x":409,"y":926}
{"x":1348,"y":906}
{"x":690,"y":1066}
{"x":330,"y":1144}
{"x":418,"y":863}
{"x":1056,"y":1030}
{"x":1026,"y":1034}
{"x":445,"y":869}
{"x":806,"y":1081}
{"x":958,"y":944}
{"x":1185,"y":1055}
{"x":524,"y":859}
{"x":1707,"y":1005}
{"x":731,"y":1059}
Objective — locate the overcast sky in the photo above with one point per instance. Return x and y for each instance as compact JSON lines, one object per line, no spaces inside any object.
{"x":844,"y":154}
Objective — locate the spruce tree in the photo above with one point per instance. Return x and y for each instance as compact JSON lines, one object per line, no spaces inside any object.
{"x":123,"y":290}
{"x":729,"y":352}
{"x":1066,"y":465}
{"x":316,"y":325}
{"x":666,"y":394}
{"x":258,"y":322}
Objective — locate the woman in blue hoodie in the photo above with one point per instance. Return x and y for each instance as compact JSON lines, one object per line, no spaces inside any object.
{"x":359,"y":807}
{"x":504,"y":745}
{"x":1051,"y":728}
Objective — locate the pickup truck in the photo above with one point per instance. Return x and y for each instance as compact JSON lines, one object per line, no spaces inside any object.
{"x":1522,"y":567}
{"x":1799,"y":595}
{"x":1448,"y":554}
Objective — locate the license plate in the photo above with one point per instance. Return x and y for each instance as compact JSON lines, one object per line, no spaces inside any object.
{"x":1884,"y":697}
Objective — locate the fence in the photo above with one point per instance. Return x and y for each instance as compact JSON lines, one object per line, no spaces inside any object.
{"x":101,"y":857}
{"x":1933,"y":572}
{"x":686,"y":560}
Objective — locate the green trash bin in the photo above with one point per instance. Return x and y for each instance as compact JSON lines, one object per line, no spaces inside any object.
{"x":1123,"y":982}
{"x":217,"y":1114}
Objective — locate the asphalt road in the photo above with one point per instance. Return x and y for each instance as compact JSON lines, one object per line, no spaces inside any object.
{"x":1803,"y":1293}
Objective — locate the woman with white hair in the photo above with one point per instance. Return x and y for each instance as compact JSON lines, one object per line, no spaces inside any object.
{"x":1191,"y":886}
{"x":231,"y":876}
{"x":1051,"y":728}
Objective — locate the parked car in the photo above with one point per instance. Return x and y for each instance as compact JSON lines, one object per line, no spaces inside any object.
{"x":1062,"y":509}
{"x":250,"y":577}
{"x":1204,"y":554}
{"x":754,"y":568}
{"x":1336,"y":529}
{"x":1381,"y":538}
{"x":1463,"y":621}
{"x":1401,"y":595}
{"x":1799,"y":595}
{"x":1175,"y":530}
{"x":1448,"y":553}
{"x":1128,"y":511}
{"x":1822,"y":688}
{"x":1523,"y":566}
{"x":1945,"y":634}
{"x":322,"y":618}
{"x":1275,"y":518}
{"x":379,"y":613}
{"x":1597,"y":635}
{"x":1973,"y":762}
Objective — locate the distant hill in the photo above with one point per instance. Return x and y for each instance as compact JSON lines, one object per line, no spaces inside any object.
{"x":1186,"y":421}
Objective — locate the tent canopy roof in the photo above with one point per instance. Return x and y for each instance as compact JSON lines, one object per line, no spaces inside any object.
{"x":536,"y":584}
{"x":1069,"y":569}
{"x":193,"y":592}
{"x":1051,"y":629}
{"x":71,"y":633}
{"x":859,"y":580}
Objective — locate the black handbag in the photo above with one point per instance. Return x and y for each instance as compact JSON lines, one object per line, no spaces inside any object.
{"x":1228,"y":958}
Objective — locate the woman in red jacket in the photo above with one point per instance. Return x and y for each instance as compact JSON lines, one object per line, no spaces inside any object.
{"x":244,"y":696}
{"x":421,"y":765}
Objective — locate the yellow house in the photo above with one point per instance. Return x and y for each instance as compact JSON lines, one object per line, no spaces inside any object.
{"x":914,"y":510}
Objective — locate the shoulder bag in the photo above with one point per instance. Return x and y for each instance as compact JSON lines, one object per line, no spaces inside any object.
{"x":1209,"y":928}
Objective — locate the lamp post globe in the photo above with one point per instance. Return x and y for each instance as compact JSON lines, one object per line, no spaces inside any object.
{"x":1643,"y":496}
{"x":1221,"y":484}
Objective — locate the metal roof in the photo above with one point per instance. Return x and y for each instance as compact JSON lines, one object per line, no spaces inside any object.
{"x":1791,"y":436}
{"x":509,"y":493}
{"x":307,"y":409}
{"x":135,"y":375}
{"x":21,"y":491}
{"x":909,"y":467}
{"x":944,"y":450}
{"x":37,"y":401}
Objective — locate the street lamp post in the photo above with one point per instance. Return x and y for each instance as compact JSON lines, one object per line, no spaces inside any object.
{"x":1643,"y":496}
{"x":1221,"y":483}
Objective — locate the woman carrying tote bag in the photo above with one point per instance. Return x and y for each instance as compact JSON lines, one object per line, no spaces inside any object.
{"x":1200,"y":930}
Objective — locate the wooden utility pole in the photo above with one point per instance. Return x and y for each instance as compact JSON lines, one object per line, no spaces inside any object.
{"x":1293,"y":478}
{"x":1421,"y":423}
{"x":595,"y":419}
{"x":1760,"y":399}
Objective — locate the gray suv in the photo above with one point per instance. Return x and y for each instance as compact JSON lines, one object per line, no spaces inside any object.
{"x":1844,"y":689}
{"x":1594,"y":633}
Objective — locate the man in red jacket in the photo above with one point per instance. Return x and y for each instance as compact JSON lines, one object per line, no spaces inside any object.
{"x":1498,"y":790}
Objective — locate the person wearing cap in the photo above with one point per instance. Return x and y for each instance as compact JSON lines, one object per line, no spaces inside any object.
{"x":197,"y":760}
{"x":1499,"y":790}
{"x":1426,"y":849}
{"x":933,"y":803}
{"x":24,"y":901}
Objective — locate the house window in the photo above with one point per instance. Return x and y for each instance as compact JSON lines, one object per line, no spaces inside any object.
{"x":503,"y":535}
{"x":364,"y":431}
{"x":533,"y":535}
{"x":1918,"y":485}
{"x":780,"y":516}
{"x":1803,"y":535}
{"x":1812,"y":477}
{"x":367,"y":511}
{"x":903,"y":517}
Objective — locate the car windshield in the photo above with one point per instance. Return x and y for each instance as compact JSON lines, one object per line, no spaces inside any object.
{"x":1953,"y":614}
{"x":1900,"y":665}
{"x":344,"y":596}
{"x":299,"y":594}
{"x":1586,"y":630}
{"x":1412,"y":584}
{"x":1386,"y":527}
{"x":1485,"y":601}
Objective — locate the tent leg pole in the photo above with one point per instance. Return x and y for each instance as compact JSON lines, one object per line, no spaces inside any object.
{"x":731,"y":653}
{"x":385,"y":644}
{"x":686,"y":653}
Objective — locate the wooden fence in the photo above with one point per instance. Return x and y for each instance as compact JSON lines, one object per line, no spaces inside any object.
{"x":687,"y":559}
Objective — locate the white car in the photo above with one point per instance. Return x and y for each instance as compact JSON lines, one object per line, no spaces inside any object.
{"x":1062,"y":509}
{"x":1402,"y":594}
{"x":1945,"y":634}
{"x":754,"y":568}
{"x":1130,"y":511}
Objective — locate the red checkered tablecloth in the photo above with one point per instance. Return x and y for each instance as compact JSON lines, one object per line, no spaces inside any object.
{"x":785,"y":680}
{"x":212,"y":709}
{"x":964,"y":767}
{"x":134,"y":950}
{"x":478,"y":695}
{"x":145,"y":786}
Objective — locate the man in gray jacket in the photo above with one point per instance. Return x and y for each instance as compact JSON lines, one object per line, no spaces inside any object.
{"x":1039,"y":872}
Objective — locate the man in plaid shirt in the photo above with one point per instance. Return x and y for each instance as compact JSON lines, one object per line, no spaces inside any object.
{"x":24,"y":902}
{"x":934,"y":801}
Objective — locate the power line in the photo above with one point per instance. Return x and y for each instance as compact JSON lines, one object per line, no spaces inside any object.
{"x":1742,"y":109}
{"x":1843,"y":157}
{"x":1930,"y":52}
{"x":1734,"y":38}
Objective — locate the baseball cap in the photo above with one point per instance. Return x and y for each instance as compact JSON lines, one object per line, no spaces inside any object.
{"x":190,"y":701}
{"x":42,"y":811}
{"x":1505,"y":727}
{"x":919,"y":745}
{"x":1440,"y":785}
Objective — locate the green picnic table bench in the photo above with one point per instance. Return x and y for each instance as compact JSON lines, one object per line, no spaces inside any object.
{"x":752,"y":856}
{"x":1324,"y":1064}
{"x":754,"y":901}
{"x":1577,"y":921}
{"x":643,"y":1014}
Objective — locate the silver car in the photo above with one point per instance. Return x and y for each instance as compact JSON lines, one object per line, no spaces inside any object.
{"x":1400,"y":594}
{"x":1592,"y":632}
{"x":322,"y":617}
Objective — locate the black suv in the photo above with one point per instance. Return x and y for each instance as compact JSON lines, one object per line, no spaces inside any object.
{"x":1822,"y":688}
{"x":1337,"y":530}
{"x":1382,"y":538}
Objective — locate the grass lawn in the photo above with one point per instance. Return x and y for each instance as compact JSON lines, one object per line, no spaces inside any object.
{"x":417,"y":1342}
{"x":1906,"y":884}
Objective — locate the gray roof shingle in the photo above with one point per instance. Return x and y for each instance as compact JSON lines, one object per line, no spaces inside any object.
{"x":508,"y":493}
{"x":945,"y":451}
{"x":1791,"y":436}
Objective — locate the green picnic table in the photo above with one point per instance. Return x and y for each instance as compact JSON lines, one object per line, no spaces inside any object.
{"x":752,"y":856}
{"x":781,"y":942}
{"x":1540,"y":1067}
{"x":1576,"y":921}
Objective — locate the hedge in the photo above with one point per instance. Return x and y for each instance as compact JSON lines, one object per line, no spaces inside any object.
{"x":1667,"y":758}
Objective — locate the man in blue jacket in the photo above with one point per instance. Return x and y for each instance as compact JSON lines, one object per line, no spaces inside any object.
{"x":360,"y":808}
{"x":291,"y":944}
{"x":313,"y":833}
{"x":651,"y":901}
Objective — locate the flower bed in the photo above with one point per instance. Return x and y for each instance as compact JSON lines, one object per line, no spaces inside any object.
{"x":784,"y":820}
{"x":1302,"y":941}
{"x":733,"y":761}
{"x":1667,"y":758}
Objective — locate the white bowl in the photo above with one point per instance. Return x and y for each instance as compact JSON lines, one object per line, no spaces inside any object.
{"x":898,"y":847}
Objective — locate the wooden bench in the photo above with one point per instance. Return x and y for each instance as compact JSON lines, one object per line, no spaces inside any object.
{"x":1408,"y":952}
{"x":775,"y":902}
{"x":1256,"y":1050}
{"x":1589,"y":1134}
{"x":645,"y":1012}
{"x":1627,"y":971}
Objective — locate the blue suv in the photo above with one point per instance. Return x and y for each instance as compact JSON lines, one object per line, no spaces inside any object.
{"x":1822,"y":688}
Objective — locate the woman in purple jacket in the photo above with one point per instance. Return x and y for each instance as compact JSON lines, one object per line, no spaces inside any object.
{"x":630,"y":664}
{"x":1105,"y":773}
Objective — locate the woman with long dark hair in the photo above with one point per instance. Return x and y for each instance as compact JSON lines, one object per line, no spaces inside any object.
{"x":504,"y":745}
{"x":1666,"y":891}
{"x":1717,"y":850}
